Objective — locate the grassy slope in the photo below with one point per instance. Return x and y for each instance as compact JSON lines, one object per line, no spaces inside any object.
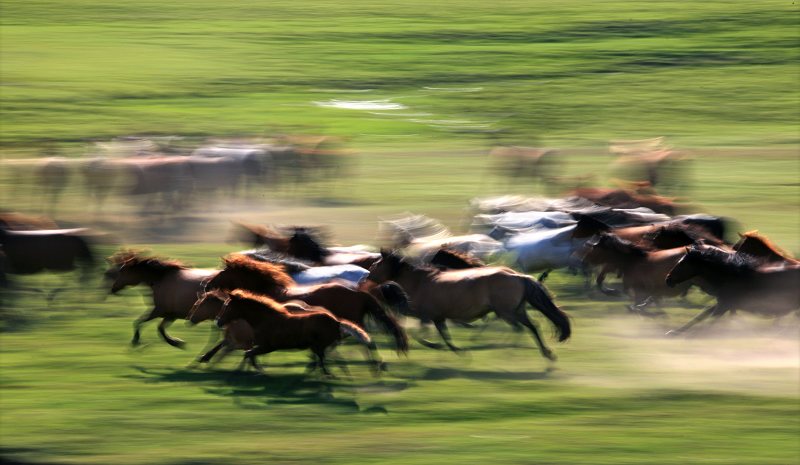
{"x":571,"y":73}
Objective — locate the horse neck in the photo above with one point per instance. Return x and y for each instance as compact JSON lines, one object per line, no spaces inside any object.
{"x":757,"y":248}
{"x":411,"y":278}
{"x":153,"y":277}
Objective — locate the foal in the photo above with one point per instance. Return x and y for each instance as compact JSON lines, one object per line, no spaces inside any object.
{"x":276,"y":328}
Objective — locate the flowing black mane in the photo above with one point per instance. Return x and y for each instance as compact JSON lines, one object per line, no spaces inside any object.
{"x":739,"y":263}
{"x":303,"y":245}
{"x":619,"y":245}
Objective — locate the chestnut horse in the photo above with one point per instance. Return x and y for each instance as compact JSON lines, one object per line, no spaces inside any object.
{"x":242,"y":272}
{"x":276,"y":328}
{"x":738,"y":281}
{"x":175,"y":288}
{"x":469,"y":294}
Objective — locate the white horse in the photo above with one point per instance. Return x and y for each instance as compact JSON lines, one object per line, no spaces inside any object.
{"x":544,"y":250}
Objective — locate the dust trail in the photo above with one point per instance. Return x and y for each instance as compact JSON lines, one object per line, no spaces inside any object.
{"x":741,"y":354}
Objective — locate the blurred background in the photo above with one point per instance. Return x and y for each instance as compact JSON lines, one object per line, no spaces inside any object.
{"x":157,"y":124}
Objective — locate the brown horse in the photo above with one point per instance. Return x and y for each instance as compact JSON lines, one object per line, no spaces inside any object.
{"x":238,"y":334}
{"x":466,"y":295}
{"x":242,"y":272}
{"x":658,"y":236}
{"x":738,"y":281}
{"x":643,"y":270}
{"x":756,"y":245}
{"x":175,"y":288}
{"x":621,"y":198}
{"x":276,"y":328}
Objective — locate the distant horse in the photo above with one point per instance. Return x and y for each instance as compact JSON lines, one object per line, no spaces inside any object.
{"x":467,"y":295}
{"x":643,"y":271}
{"x":175,"y":288}
{"x":276,"y":328}
{"x":738,"y":281}
{"x":303,"y":246}
{"x":756,"y":245}
{"x":243,"y":272}
{"x":60,"y":250}
{"x":525,"y":163}
{"x":620,"y":198}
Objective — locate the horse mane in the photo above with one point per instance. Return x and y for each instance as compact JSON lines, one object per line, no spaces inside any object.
{"x":450,"y":257}
{"x":766,"y":242}
{"x":132,"y":257}
{"x":272,"y":274}
{"x":693,"y":233}
{"x":263,"y":302}
{"x":741,"y":263}
{"x":307,"y":241}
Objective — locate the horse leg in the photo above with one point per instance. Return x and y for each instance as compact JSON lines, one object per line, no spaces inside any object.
{"x":441,"y":326}
{"x":162,"y":330}
{"x":320,"y":353}
{"x":600,"y":283}
{"x":251,"y":354}
{"x":137,"y":324}
{"x":206,"y":357}
{"x":423,"y":329}
{"x":521,"y":317}
{"x":714,"y":309}
{"x":340,"y":362}
{"x":544,"y":275}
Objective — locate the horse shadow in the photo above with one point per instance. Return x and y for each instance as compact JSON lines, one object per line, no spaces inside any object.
{"x":275,"y":389}
{"x":442,"y":373}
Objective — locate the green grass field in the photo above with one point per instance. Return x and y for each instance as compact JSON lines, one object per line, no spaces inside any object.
{"x":719,"y":79}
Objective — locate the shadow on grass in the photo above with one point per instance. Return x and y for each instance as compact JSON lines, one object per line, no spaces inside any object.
{"x":274,"y":389}
{"x":439,"y":374}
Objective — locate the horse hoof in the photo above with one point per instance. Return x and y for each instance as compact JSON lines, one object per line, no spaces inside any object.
{"x":550,"y":356}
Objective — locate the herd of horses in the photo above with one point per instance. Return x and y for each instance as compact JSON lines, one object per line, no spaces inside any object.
{"x":165,"y":178}
{"x":291,"y":291}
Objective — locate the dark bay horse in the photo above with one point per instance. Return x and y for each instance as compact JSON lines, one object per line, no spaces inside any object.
{"x":242,"y":272}
{"x":469,"y":294}
{"x":59,"y":250}
{"x":739,"y":282}
{"x":276,"y":328}
{"x":175,"y":288}
{"x":304,"y":246}
{"x":643,"y":270}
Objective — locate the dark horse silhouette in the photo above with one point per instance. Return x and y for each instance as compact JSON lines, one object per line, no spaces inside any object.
{"x":59,"y":250}
{"x":738,"y":281}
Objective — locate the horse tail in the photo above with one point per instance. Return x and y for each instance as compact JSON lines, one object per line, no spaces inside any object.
{"x":385,"y":319}
{"x":348,"y":328}
{"x":394,"y":296}
{"x":538,"y":297}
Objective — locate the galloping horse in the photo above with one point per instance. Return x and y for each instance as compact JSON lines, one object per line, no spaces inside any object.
{"x":175,"y":288}
{"x":242,"y":272}
{"x":276,"y":328}
{"x":643,"y":270}
{"x":738,"y":281}
{"x":31,"y":252}
{"x":466,"y":295}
